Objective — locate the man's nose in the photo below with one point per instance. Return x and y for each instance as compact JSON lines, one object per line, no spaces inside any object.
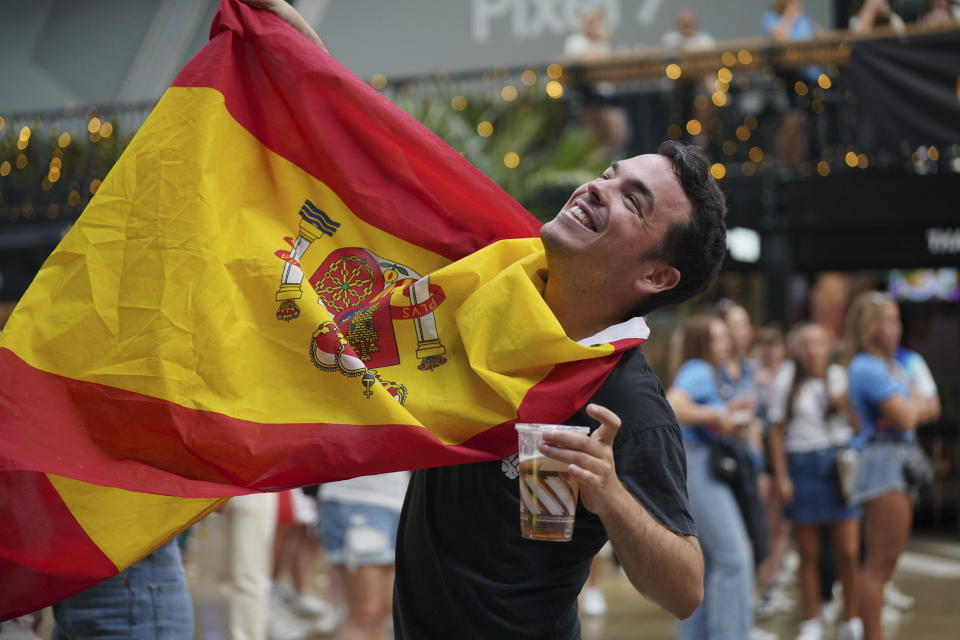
{"x":597,"y":191}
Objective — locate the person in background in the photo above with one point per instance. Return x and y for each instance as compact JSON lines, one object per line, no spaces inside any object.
{"x":889,"y":412}
{"x":687,"y":36}
{"x":690,"y":95}
{"x":941,"y":13}
{"x":786,"y":22}
{"x":870,"y":14}
{"x":358,"y":521}
{"x":295,"y":612}
{"x":809,"y":427}
{"x":148,"y":599}
{"x":770,"y":355}
{"x":695,"y":396}
{"x":251,"y":521}
{"x":599,"y":115}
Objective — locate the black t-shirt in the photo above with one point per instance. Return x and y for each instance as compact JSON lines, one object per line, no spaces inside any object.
{"x":463,"y":571}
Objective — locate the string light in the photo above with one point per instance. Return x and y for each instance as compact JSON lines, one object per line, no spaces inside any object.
{"x":378,"y":81}
{"x":511,"y":160}
{"x":529,"y":77}
{"x":728,"y":59}
{"x":823,"y":168}
{"x":673,"y":71}
{"x":94,"y":185}
{"x":508,"y":93}
{"x":64,"y":140}
{"x":823,"y":81}
{"x":694,"y":127}
{"x":743,"y":133}
{"x":718,"y":171}
{"x":5,"y":168}
{"x":851,"y":159}
{"x":485,"y":129}
{"x":554,"y":89}
{"x":725,"y":75}
{"x":719,"y":98}
{"x":94,"y":125}
{"x":555,"y":71}
{"x":755,"y":154}
{"x":744,"y":56}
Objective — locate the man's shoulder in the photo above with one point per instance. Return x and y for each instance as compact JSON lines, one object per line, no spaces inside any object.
{"x":634,"y":392}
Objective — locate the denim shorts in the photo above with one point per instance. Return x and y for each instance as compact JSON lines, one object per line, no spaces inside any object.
{"x":358,"y":534}
{"x":147,"y":600}
{"x":816,"y":489}
{"x":880,"y":470}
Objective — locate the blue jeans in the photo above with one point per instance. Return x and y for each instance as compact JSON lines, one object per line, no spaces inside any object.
{"x":147,"y":601}
{"x":726,"y":612}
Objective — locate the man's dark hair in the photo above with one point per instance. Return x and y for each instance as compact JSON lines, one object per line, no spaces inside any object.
{"x":695,"y":247}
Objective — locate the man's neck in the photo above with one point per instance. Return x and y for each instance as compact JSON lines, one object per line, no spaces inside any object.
{"x":582,"y":313}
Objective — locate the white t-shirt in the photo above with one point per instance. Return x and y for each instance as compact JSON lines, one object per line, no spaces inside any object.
{"x":697,"y":42}
{"x":807,"y":429}
{"x":384,"y":490}
{"x":896,"y":23}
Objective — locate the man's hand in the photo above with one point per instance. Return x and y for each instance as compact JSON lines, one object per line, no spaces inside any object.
{"x":288,"y":14}
{"x":590,"y":460}
{"x":665,"y":567}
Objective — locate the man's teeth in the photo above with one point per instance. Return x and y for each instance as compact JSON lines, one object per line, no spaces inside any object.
{"x":582,"y":217}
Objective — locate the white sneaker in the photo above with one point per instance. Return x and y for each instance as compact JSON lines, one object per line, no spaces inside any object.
{"x":852,"y":629}
{"x":893,"y":596}
{"x":811,"y":629}
{"x":284,"y":625}
{"x":308,"y":605}
{"x":830,"y":611}
{"x":594,"y":604}
{"x":890,"y":616}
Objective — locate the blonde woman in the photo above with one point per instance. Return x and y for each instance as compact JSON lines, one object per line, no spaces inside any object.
{"x":888,"y":413}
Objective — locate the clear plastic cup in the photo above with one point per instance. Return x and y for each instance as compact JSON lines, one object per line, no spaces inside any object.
{"x":548,"y":494}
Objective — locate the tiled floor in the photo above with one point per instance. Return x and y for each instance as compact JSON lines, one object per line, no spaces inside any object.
{"x":930,"y":572}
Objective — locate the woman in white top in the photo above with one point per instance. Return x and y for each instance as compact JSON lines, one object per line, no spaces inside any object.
{"x":358,"y":522}
{"x":808,"y":428}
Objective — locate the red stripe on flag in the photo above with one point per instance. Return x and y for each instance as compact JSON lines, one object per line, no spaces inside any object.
{"x":390,"y":170}
{"x":45,"y":555}
{"x":155,"y":446}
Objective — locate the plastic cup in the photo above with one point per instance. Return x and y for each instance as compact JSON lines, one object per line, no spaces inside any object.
{"x":548,"y":494}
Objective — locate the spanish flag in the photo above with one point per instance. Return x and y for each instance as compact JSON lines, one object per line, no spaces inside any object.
{"x":284,"y":280}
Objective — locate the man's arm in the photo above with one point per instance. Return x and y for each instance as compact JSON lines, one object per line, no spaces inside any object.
{"x":665,"y":567}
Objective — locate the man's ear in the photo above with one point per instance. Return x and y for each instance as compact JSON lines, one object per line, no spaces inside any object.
{"x":657,"y":278}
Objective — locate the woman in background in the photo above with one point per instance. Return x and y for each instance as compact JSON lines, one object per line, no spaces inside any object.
{"x":888,"y":413}
{"x":726,"y":611}
{"x":808,"y":428}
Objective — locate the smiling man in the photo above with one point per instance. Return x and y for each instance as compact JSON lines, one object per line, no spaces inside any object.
{"x":649,"y":231}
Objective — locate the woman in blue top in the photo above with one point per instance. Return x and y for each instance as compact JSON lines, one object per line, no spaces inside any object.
{"x":726,"y":612}
{"x":888,"y":413}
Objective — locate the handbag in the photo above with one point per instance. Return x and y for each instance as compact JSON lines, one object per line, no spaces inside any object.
{"x":724,"y":464}
{"x":918,"y":470}
{"x":846,"y":463}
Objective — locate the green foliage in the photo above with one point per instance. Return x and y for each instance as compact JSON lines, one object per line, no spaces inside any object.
{"x":554,"y":157}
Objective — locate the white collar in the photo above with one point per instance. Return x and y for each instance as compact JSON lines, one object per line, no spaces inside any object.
{"x":632,"y":328}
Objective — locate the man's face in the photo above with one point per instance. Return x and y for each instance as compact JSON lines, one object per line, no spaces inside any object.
{"x":608,"y":225}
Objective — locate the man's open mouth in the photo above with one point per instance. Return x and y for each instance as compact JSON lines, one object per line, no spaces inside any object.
{"x":582,"y":217}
